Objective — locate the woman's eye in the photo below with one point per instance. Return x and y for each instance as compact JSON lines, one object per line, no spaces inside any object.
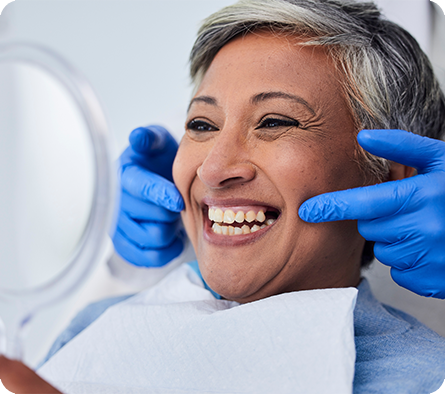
{"x":270,"y":123}
{"x":200,"y":126}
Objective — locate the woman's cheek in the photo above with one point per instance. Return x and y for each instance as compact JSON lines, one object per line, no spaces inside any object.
{"x":180,"y":175}
{"x":184,"y":174}
{"x":176,"y":167}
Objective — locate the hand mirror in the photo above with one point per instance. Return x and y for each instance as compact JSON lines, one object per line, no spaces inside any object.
{"x":56,"y":184}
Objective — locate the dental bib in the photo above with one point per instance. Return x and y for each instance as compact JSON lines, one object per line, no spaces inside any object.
{"x":177,"y":338}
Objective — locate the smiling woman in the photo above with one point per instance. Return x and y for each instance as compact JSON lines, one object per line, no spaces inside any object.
{"x":282,"y":89}
{"x":267,"y":129}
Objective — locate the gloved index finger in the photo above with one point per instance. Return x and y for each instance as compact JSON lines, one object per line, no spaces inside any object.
{"x":363,"y":203}
{"x":425,"y":154}
{"x":152,"y":148}
{"x":152,"y":140}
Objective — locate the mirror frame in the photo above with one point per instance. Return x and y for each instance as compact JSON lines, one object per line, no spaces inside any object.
{"x":94,"y":238}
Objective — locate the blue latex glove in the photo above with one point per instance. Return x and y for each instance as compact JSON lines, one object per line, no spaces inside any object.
{"x":149,"y":231}
{"x":405,"y":218}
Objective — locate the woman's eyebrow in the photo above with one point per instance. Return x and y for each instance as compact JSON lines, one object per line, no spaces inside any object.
{"x":205,"y":99}
{"x":257,"y":99}
{"x":281,"y":95}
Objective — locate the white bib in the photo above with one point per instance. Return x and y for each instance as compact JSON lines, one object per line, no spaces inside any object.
{"x":177,"y":338}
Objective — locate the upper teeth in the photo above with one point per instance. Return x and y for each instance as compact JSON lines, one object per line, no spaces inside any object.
{"x":228,"y":216}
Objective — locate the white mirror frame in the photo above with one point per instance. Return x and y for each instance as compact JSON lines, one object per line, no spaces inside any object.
{"x":93,"y":240}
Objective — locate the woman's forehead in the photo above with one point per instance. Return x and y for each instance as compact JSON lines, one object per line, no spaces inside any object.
{"x":258,"y":63}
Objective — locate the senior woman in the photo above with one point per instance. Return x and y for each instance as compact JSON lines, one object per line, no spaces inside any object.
{"x":146,"y":235}
{"x":282,"y":89}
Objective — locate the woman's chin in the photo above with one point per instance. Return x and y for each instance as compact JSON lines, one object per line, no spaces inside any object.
{"x":235,"y":280}
{"x":224,"y":280}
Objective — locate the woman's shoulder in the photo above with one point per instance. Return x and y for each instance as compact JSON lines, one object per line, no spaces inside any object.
{"x":183,"y":283}
{"x":395,"y":352}
{"x":80,"y":322}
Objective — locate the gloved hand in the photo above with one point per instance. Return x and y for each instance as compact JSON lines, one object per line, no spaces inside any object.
{"x":149,"y":232}
{"x":405,"y":218}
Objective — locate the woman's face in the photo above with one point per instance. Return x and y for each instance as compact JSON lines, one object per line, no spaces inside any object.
{"x":267,"y":129}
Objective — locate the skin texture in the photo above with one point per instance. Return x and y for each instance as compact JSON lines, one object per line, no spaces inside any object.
{"x":229,"y":152}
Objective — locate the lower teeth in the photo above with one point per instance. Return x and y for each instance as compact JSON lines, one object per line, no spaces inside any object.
{"x":231,"y":230}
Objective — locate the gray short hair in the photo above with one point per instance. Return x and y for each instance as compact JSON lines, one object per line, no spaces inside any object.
{"x":388,"y":80}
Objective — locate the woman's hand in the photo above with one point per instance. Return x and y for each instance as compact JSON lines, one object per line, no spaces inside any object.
{"x":405,"y":218}
{"x":20,"y":379}
{"x":149,"y":230}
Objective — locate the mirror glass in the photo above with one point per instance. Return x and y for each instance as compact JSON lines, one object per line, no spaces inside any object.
{"x":47,"y":176}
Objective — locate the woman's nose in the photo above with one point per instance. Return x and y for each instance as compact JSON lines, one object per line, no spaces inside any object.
{"x":227,"y":163}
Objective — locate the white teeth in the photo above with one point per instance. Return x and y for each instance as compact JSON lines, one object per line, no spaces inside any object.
{"x":216,"y":228}
{"x":229,"y":216}
{"x":250,"y":216}
{"x":246,"y":229}
{"x":231,"y":230}
{"x":239,"y":217}
{"x":255,"y":228}
{"x":218,"y":215}
{"x":260,"y":217}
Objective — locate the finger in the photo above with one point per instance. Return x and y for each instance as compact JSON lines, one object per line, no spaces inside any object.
{"x":152,"y":148}
{"x":419,"y":283}
{"x":401,"y":255}
{"x":148,"y":234}
{"x":363,"y":203}
{"x":389,"y":229}
{"x":150,"y":187}
{"x":376,"y":230}
{"x":406,"y":148}
{"x":151,"y":140}
{"x":146,"y":257}
{"x":143,"y":210}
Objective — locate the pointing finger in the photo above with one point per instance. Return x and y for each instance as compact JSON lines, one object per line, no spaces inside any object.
{"x":425,"y":154}
{"x":363,"y":203}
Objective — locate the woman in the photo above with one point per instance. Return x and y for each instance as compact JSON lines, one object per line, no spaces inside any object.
{"x":282,"y":89}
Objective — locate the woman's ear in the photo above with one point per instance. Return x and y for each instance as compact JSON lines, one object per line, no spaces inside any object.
{"x":399,"y":171}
